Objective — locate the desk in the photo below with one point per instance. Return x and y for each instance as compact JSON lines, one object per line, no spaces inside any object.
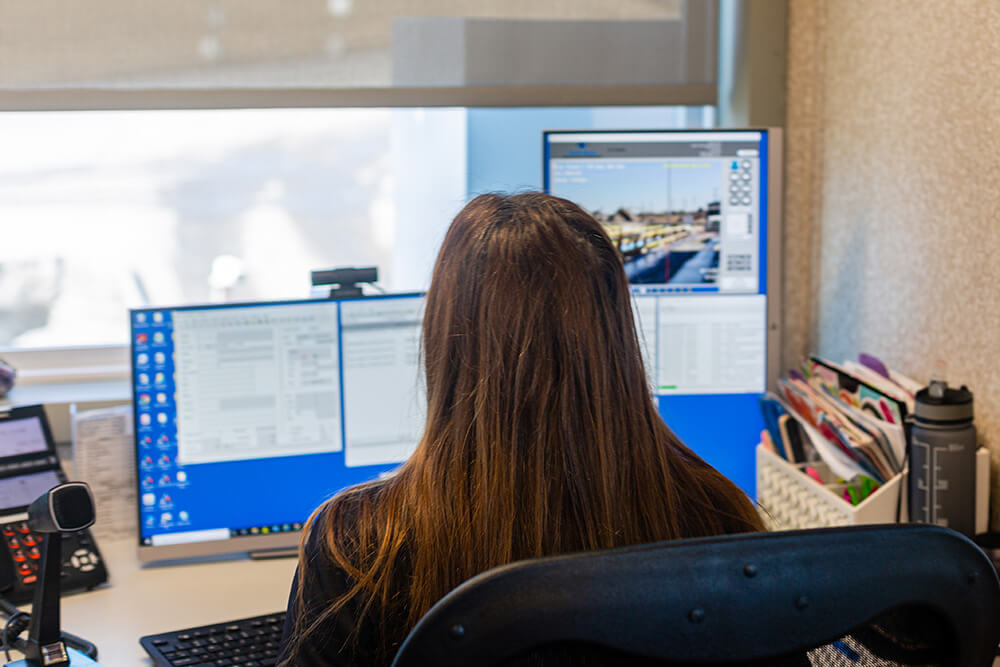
{"x":146,"y":600}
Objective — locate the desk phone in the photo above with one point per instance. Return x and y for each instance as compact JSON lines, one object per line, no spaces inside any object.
{"x":29,"y":466}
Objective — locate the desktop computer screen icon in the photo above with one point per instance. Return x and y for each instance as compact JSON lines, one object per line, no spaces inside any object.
{"x":248,"y":416}
{"x":695,"y":215}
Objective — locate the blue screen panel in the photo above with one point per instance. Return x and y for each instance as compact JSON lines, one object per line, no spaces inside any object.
{"x":248,"y":416}
{"x":723,"y":429}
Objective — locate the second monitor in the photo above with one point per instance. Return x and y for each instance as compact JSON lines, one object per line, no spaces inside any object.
{"x":248,"y":416}
{"x":695,"y":215}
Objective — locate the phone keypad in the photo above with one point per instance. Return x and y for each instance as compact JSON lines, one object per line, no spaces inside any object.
{"x":81,"y":567}
{"x":24,"y":550}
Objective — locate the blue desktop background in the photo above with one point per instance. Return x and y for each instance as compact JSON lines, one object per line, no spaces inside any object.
{"x":247,"y":497}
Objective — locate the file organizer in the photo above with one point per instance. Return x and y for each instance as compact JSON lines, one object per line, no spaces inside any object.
{"x":789,"y":499}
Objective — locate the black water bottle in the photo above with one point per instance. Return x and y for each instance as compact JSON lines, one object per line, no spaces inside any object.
{"x":943,"y":458}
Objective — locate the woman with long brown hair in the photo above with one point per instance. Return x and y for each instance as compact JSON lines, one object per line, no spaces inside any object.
{"x":542,"y":438}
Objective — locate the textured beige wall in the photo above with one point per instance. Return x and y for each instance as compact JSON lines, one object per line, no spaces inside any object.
{"x":893,"y":189}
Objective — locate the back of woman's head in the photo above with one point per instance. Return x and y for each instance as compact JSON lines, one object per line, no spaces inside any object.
{"x":532,"y":361}
{"x":541,"y":426}
{"x":541,"y":436}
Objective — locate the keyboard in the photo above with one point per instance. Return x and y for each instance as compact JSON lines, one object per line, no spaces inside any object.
{"x":250,"y":642}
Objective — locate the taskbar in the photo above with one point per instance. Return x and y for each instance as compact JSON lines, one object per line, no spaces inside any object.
{"x":267,"y":529}
{"x":187,"y":537}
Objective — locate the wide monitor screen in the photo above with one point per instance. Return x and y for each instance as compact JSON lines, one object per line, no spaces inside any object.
{"x":249,"y":416}
{"x":688,"y":210}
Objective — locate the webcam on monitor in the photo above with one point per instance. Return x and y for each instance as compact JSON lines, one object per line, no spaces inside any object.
{"x":345,"y":282}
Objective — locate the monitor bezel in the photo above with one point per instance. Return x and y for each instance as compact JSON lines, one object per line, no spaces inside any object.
{"x":271,"y":544}
{"x":774,"y":283}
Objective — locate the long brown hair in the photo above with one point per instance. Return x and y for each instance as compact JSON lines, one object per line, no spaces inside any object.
{"x":542,"y":436}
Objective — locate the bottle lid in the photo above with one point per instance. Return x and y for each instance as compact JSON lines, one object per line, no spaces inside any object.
{"x":939,"y":403}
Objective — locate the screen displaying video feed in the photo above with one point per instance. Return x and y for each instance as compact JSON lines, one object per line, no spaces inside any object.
{"x":686,"y":209}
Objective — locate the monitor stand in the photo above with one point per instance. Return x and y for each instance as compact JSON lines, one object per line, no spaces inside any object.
{"x":283,"y":552}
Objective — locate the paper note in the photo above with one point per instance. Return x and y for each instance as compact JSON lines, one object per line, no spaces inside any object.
{"x":102,"y":457}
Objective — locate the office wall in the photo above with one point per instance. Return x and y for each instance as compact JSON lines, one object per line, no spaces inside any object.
{"x":893,"y":188}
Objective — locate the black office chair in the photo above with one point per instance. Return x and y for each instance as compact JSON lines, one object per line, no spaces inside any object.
{"x":744,"y":599}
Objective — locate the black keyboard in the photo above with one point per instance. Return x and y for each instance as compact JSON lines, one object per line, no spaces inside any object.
{"x":251,"y":642}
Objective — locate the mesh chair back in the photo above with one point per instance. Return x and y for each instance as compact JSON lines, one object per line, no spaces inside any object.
{"x":726,"y":600}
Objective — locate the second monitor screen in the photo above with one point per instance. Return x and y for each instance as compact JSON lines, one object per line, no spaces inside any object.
{"x":688,"y":212}
{"x":273,"y":406}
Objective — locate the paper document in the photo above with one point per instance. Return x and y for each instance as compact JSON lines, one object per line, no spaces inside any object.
{"x":893,"y":432}
{"x":798,"y":404}
{"x":841,"y":464}
{"x":886,"y":386}
{"x":102,"y":457}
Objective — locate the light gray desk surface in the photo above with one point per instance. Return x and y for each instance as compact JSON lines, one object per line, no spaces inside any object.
{"x":146,"y":600}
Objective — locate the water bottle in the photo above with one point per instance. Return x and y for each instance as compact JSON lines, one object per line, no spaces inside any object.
{"x":943,"y":458}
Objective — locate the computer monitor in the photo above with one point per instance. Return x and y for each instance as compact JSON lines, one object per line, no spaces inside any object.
{"x":248,"y":416}
{"x":696,"y":216}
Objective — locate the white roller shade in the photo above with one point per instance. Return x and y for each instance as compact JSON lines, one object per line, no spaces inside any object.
{"x":55,"y":54}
